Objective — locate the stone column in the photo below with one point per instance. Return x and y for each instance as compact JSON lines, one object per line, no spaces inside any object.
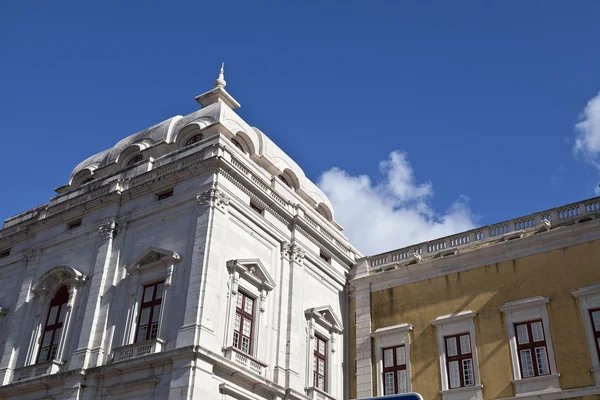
{"x":364,"y":376}
{"x":82,"y":356}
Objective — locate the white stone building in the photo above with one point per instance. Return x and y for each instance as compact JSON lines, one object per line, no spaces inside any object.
{"x":193,"y":260}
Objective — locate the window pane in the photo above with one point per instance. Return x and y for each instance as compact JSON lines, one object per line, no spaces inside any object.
{"x":159,"y":290}
{"x":53,"y":349}
{"x":321,"y":384}
{"x":63,"y":311}
{"x":400,"y":356}
{"x":52,"y":315}
{"x":245,"y":345}
{"x":238,"y":321}
{"x":321,"y":346}
{"x":451,"y":347}
{"x":57,"y":334}
{"x":142,"y":333}
{"x":145,"y":315}
{"x":596,"y":320}
{"x":239,"y":300}
{"x":247,"y":327}
{"x":47,"y":339}
{"x":156,"y":313}
{"x":522,"y":335}
{"x":248,"y":305}
{"x":153,"y":330}
{"x":454,"y":374}
{"x":44,"y":354}
{"x":236,"y":339}
{"x":465,"y":344}
{"x":389,"y":383}
{"x":148,"y":293}
{"x":468,"y":372}
{"x":321,"y":367}
{"x":526,"y":363}
{"x":388,"y":358}
{"x":537,"y":331}
{"x":542,"y":360}
{"x":402,"y":384}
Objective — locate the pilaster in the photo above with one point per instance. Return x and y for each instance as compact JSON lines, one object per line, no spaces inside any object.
{"x":364,"y":375}
{"x":296,"y":327}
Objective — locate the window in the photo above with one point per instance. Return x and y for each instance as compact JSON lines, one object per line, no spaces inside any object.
{"x":256,"y":208}
{"x":54,"y":325}
{"x":459,"y":360}
{"x":135,"y":159}
{"x":531,"y":351}
{"x":193,"y":139}
{"x":320,"y":363}
{"x":458,"y":354}
{"x":285,"y":181}
{"x":237,"y":144}
{"x":4,"y":253}
{"x":392,"y":344}
{"x":165,"y":195}
{"x":242,"y":330}
{"x":75,"y":224}
{"x":394,"y":370}
{"x":589,"y":305}
{"x":149,"y":316}
{"x":531,"y":347}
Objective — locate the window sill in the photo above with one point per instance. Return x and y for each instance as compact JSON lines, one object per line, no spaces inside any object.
{"x":37,"y":370}
{"x":136,"y":350}
{"x":463,"y":393}
{"x":318,"y":394}
{"x":544,"y":383}
{"x":245,"y":360}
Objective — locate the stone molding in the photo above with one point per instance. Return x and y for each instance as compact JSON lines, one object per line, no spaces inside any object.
{"x":215,"y":198}
{"x":31,"y":256}
{"x":109,"y":229}
{"x":293,"y":252}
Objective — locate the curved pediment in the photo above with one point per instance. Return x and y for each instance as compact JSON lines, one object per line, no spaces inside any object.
{"x":58,"y":276}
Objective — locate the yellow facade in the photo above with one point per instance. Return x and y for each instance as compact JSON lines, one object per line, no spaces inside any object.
{"x":554,"y":274}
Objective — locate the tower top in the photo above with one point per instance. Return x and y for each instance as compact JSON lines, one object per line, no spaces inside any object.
{"x":218,"y":93}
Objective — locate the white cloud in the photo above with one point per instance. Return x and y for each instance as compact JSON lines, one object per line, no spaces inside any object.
{"x":392,"y":213}
{"x":587,"y":141}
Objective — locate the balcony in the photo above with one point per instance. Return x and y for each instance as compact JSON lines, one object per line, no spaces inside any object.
{"x":137,"y":350}
{"x":245,"y":360}
{"x":37,"y":370}
{"x":318,"y":394}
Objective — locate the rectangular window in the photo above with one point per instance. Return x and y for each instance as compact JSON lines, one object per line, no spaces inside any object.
{"x":148,"y":320}
{"x":74,"y":224}
{"x":165,"y":195}
{"x":459,"y":360}
{"x":53,"y":327}
{"x":532,"y":350}
{"x":244,"y":316}
{"x":595,"y":317}
{"x":5,"y":253}
{"x":320,"y":363}
{"x":325,"y":257}
{"x":395,"y":379}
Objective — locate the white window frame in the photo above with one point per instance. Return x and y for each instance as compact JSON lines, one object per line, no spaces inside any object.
{"x":454,"y":324}
{"x":323,"y":322}
{"x":589,"y":299}
{"x":392,"y":336}
{"x":251,"y":277}
{"x":525,"y":310}
{"x":152,"y":265}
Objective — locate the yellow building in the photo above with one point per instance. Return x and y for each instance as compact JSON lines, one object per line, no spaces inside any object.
{"x":506,"y":311}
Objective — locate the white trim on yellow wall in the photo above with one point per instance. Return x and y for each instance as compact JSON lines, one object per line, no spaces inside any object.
{"x":589,"y":298}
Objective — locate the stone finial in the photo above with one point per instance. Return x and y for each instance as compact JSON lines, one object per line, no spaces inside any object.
{"x":220,"y":82}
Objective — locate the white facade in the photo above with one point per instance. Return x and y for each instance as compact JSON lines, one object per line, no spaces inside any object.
{"x":242,"y":219}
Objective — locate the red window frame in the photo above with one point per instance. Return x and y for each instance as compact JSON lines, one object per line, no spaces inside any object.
{"x":395,"y":368}
{"x":459,"y":357}
{"x":243,"y":315}
{"x":53,"y":328}
{"x":149,"y":330}
{"x":193,"y":139}
{"x":320,"y":356}
{"x":596,"y":332}
{"x":531,"y":346}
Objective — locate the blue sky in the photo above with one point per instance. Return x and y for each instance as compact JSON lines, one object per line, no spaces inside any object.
{"x":459,"y":100}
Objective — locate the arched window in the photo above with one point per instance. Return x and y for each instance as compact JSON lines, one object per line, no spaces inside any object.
{"x":135,"y":159}
{"x":237,"y":144}
{"x":54,"y":324}
{"x":285,"y":181}
{"x":87,"y":180}
{"x":194,"y":139}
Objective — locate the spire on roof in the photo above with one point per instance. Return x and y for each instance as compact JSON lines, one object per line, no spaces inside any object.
{"x":218,"y":93}
{"x":220,"y":82}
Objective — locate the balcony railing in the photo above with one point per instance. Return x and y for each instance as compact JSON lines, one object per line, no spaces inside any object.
{"x":318,"y":394}
{"x":37,"y":370}
{"x":248,"y":362}
{"x":137,"y":349}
